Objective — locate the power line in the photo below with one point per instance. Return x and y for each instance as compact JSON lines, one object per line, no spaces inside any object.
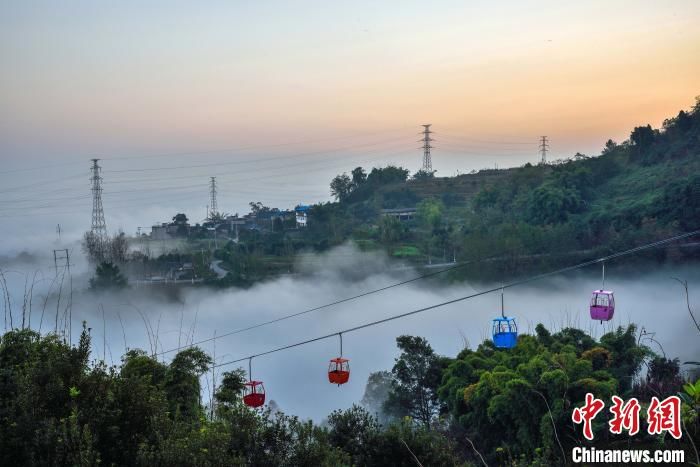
{"x":268,"y":169}
{"x":286,"y":173}
{"x":476,"y":152}
{"x":217,"y":164}
{"x":467,"y":297}
{"x":215,"y":151}
{"x":247,"y":161}
{"x":489,"y":143}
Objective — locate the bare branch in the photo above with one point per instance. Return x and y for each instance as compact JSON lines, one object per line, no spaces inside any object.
{"x":554,"y":426}
{"x":687,"y":301}
{"x":477,"y":452}
{"x":413,"y":455}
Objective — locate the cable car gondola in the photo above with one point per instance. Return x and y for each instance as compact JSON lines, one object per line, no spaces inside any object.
{"x":602,"y":306}
{"x":505,"y":330}
{"x":339,"y":368}
{"x":253,"y":391}
{"x":254,"y":394}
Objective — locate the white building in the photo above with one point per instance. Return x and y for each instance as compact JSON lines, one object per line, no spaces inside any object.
{"x":302,"y":215}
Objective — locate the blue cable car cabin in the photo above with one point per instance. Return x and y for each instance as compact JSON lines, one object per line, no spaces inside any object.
{"x":505,"y":332}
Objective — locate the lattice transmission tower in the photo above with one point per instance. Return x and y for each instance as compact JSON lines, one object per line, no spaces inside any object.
{"x":427,"y":161}
{"x":544,"y":147}
{"x":213,"y":210}
{"x":99,"y":227}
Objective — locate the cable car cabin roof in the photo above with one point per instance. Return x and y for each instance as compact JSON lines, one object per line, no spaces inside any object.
{"x":504,"y":319}
{"x":339,"y":360}
{"x":253,"y":383}
{"x":606,"y":292}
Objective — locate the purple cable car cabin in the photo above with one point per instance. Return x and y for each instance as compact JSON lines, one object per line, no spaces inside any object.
{"x":602,"y":305}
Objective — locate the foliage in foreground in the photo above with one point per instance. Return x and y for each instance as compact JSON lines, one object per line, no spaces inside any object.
{"x":56,"y":408}
{"x":518,"y":403}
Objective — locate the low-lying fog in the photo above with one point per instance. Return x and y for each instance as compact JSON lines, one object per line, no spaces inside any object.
{"x":296,"y":379}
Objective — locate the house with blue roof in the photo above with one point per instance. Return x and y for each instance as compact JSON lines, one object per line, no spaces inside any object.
{"x":302,"y":214}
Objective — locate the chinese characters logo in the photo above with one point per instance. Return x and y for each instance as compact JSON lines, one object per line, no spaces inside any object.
{"x":662,"y":416}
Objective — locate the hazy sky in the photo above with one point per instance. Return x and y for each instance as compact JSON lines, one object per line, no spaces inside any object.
{"x":88,"y":77}
{"x":327,"y":85}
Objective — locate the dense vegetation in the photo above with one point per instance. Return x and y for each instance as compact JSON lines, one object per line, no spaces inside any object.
{"x":513,"y":407}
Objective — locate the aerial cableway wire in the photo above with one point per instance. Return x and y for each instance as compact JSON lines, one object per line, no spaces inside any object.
{"x":328,"y":305}
{"x":320,"y":307}
{"x":467,"y":297}
{"x":338,"y":302}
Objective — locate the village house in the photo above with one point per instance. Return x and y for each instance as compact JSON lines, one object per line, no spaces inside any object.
{"x":402,"y":214}
{"x":302,"y":215}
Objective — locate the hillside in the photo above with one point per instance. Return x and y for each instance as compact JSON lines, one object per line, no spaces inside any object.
{"x":529,"y":217}
{"x":502,"y":222}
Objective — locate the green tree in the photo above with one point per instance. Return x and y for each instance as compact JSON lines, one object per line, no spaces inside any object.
{"x":429,"y":213}
{"x":359,"y":177}
{"x":610,"y":146}
{"x":422,"y":175}
{"x":232,"y":383}
{"x":681,"y":203}
{"x":354,"y":431}
{"x":390,"y":230}
{"x":416,"y":377}
{"x":550,"y":204}
{"x":376,"y":393}
{"x":256,"y":207}
{"x":180,"y":219}
{"x":341,"y":187}
{"x":520,"y":400}
{"x":359,"y":434}
{"x":642,"y":137}
{"x":182,"y":382}
{"x":386,"y":175}
{"x":108,"y":277}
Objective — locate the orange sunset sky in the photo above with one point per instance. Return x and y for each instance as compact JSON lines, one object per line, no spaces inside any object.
{"x":80,"y":78}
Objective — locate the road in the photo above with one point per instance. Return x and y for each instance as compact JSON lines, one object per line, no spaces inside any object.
{"x":220,"y":272}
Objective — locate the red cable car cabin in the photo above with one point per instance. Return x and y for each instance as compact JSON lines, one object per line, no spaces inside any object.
{"x":254,"y":394}
{"x":339,"y":371}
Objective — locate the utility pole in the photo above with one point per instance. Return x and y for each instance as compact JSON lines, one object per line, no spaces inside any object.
{"x":62,"y":256}
{"x":544,"y":147}
{"x":212,"y":196}
{"x":427,"y":161}
{"x":58,"y":231}
{"x":99,"y":228}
